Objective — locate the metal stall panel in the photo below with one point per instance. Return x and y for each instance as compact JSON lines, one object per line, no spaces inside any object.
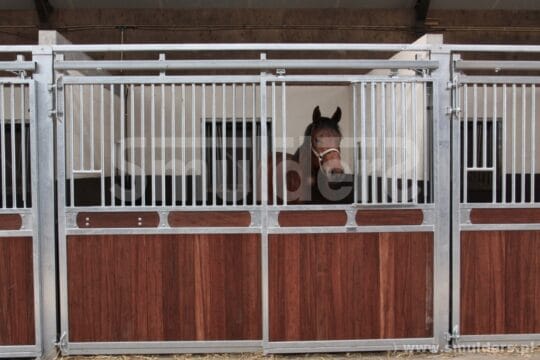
{"x":160,"y":235}
{"x":19,"y":263}
{"x":497,"y":223}
{"x":336,"y":266}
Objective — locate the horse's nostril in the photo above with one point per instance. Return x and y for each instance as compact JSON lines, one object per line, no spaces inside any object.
{"x":336,"y":171}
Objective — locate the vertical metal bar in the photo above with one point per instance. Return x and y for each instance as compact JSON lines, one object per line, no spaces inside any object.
{"x":102,"y":141}
{"x":514,"y":143}
{"x":356,"y":171}
{"x":153,"y":142}
{"x":184,"y":139}
{"x":234,"y":167}
{"x":23,"y":144}
{"x":122,"y":146}
{"x":81,"y":128}
{"x":475,"y":126}
{"x":92,"y":140}
{"x":383,"y":146}
{"x":244,"y":147}
{"x":254,"y":134}
{"x":394,"y":145}
{"x":533,"y":141}
{"x":284,"y":140}
{"x":523,"y":140}
{"x":193,"y":147}
{"x":143,"y":150}
{"x":494,"y":145}
{"x":363,"y":175}
{"x":3,"y":143}
{"x":13,"y":149}
{"x":426,"y":149}
{"x":373,"y":147}
{"x":274,"y":166}
{"x":214,"y":136}
{"x":163,"y":146}
{"x":465,"y":165}
{"x":504,"y":142}
{"x":132,"y":132}
{"x":203,"y":142}
{"x":404,"y":190}
{"x":484,"y":130}
{"x":414,"y":144}
{"x":173,"y":145}
{"x":224,"y":143}
{"x":113,"y":155}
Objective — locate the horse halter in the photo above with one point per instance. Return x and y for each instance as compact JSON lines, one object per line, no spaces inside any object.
{"x":321,"y":155}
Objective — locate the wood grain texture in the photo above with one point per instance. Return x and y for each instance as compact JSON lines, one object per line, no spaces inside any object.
{"x":500,"y":282}
{"x":164,"y":287}
{"x":16,"y":292}
{"x":312,"y":218}
{"x":389,"y":217}
{"x":113,"y":219}
{"x":209,"y":218}
{"x":350,"y":286}
{"x":10,"y":221}
{"x":505,"y":216}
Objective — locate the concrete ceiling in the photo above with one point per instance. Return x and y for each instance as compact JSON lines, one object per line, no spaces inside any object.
{"x":368,"y":4}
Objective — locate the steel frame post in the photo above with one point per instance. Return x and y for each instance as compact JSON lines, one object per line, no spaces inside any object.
{"x":45,"y":107}
{"x":442,"y":190}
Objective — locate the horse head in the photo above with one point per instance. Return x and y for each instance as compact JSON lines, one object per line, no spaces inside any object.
{"x":325,"y":137}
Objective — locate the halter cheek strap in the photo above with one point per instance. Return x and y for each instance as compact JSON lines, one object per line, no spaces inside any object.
{"x":321,"y":156}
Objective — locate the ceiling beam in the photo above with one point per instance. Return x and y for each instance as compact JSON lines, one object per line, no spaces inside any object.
{"x":421,"y":9}
{"x":44,"y":10}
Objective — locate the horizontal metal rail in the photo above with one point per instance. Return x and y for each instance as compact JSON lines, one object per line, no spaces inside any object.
{"x":496,"y":65}
{"x":240,"y":64}
{"x":17,"y":66}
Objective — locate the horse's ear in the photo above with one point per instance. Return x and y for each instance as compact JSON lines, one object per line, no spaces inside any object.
{"x":337,"y":115}
{"x":316,"y":114}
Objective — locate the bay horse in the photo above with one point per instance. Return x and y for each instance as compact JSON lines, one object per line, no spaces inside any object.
{"x":314,"y":166}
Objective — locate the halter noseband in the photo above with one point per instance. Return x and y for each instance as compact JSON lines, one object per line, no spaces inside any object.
{"x":321,"y":156}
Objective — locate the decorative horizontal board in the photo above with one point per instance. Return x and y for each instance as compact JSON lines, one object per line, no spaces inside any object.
{"x":389,"y":217}
{"x":312,"y":218}
{"x":209,"y":219}
{"x":126,"y":219}
{"x":10,"y":222}
{"x":505,"y":216}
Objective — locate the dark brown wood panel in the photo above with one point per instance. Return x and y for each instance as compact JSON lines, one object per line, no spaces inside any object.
{"x":16,"y":292}
{"x":389,"y":217}
{"x":505,"y":216}
{"x":312,"y":218}
{"x":500,"y":282}
{"x":350,"y":286}
{"x":209,"y":219}
{"x":164,"y":287}
{"x":10,"y":221}
{"x":113,"y":219}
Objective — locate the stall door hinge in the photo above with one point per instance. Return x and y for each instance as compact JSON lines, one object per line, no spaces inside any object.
{"x":453,"y":337}
{"x":63,"y":342}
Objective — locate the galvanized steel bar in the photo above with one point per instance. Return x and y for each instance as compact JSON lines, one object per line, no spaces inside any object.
{"x":426,"y":147}
{"x":71,"y":148}
{"x":81,"y":127}
{"x":384,"y":179}
{"x":23,"y":144}
{"x":414,"y":143}
{"x":214,"y":157}
{"x":484,"y":129}
{"x":132,"y":134}
{"x":494,"y":145}
{"x":143,"y":149}
{"x":203,"y":142}
{"x":193,"y":147}
{"x":3,"y":144}
{"x":122,"y":151}
{"x":13,"y":148}
{"x":373,"y":146}
{"x":465,"y":164}
{"x":173,"y":146}
{"x":504,"y":142}
{"x":284,"y":141}
{"x":404,"y":180}
{"x":497,"y":65}
{"x":102,"y":142}
{"x":92,"y":138}
{"x":514,"y":120}
{"x":184,"y":152}
{"x":475,"y":126}
{"x":363,"y":175}
{"x":523,"y":140}
{"x":274,"y":146}
{"x":244,"y":147}
{"x":356,"y":180}
{"x":163,"y":171}
{"x":224,"y":143}
{"x":254,"y":141}
{"x":153,"y":142}
{"x":394,"y":146}
{"x":233,"y":125}
{"x":533,"y":142}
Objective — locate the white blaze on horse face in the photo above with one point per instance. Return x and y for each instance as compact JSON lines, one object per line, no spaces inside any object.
{"x":330,"y":163}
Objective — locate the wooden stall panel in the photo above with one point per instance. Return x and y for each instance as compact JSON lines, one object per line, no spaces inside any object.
{"x":500,"y":282}
{"x":164,"y":287}
{"x":16,"y":292}
{"x":350,"y":286}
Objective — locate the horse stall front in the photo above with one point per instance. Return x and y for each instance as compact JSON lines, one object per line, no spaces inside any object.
{"x":496,"y":238}
{"x":187,"y":224}
{"x":19,"y":279}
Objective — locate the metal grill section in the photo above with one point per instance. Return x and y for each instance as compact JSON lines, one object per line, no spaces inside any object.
{"x":392,"y":134}
{"x":498,"y":135}
{"x":175,"y":143}
{"x":15,"y":154}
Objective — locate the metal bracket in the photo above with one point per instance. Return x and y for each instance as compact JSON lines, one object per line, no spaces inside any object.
{"x":454,"y":336}
{"x":453,"y":111}
{"x":280,"y":72}
{"x":63,"y":342}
